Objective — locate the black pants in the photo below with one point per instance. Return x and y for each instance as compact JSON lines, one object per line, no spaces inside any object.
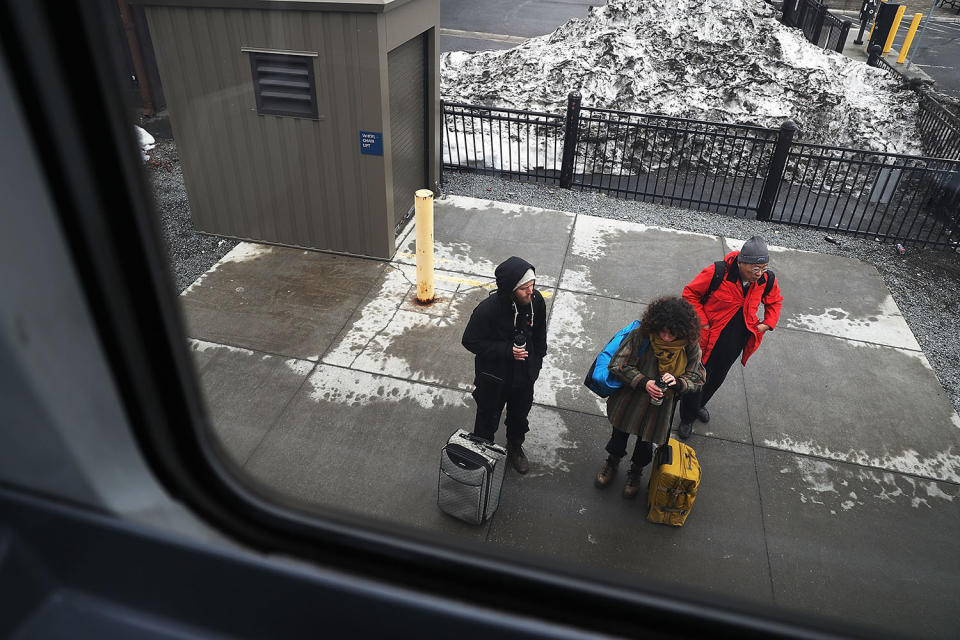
{"x":491,"y":399}
{"x":725,"y":352}
{"x":617,"y":448}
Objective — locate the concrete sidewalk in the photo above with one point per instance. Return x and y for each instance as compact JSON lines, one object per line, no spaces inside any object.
{"x":831,"y":464}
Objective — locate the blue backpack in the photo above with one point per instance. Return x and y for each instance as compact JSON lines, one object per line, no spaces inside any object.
{"x":599,"y":379}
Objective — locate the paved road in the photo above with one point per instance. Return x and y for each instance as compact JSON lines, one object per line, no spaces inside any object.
{"x":468,"y":25}
{"x":937,"y":52}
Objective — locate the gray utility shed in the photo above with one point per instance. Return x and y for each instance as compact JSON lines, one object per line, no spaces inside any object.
{"x":309,"y":123}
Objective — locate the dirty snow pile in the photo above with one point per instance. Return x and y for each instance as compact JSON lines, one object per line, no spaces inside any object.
{"x":720,"y":60}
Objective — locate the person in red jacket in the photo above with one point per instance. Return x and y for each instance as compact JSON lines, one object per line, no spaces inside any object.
{"x":730,"y":322}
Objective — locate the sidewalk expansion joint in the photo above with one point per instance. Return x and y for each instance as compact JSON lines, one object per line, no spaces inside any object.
{"x":870,"y":342}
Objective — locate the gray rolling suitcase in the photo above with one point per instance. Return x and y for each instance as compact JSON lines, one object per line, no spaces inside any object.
{"x":471,"y":474}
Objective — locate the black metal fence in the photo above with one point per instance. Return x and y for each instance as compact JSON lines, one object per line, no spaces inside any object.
{"x":939,"y":128}
{"x":819,"y":25}
{"x":511,"y":142}
{"x":676,"y":161}
{"x":737,"y":170}
{"x":890,"y":196}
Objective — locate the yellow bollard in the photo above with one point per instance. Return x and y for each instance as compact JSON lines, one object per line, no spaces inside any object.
{"x":424,"y":224}
{"x":909,"y":39}
{"x":893,"y":29}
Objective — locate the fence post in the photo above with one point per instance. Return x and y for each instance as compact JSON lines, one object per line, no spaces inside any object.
{"x":844,"y":33}
{"x":771,"y":185}
{"x":800,"y":15}
{"x":818,"y":25}
{"x":571,"y":131}
{"x":789,"y":7}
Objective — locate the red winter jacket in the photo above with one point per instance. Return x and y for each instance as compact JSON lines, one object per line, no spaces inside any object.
{"x":727,"y":300}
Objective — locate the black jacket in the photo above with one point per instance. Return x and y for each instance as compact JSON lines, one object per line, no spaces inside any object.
{"x":489,"y":334}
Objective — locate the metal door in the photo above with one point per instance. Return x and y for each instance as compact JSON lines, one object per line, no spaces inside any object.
{"x":406,"y":66}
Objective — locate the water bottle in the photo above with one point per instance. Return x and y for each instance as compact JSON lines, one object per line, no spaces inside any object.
{"x":663,"y":387}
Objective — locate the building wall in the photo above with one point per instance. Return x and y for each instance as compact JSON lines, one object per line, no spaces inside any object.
{"x":284,"y":180}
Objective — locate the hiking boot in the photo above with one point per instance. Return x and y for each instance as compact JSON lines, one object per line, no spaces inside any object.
{"x":632,"y":487}
{"x":703,"y":415}
{"x":605,"y":476}
{"x":518,"y":459}
{"x":684,"y":430}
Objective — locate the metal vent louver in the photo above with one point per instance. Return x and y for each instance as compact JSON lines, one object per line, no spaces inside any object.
{"x":284,"y":84}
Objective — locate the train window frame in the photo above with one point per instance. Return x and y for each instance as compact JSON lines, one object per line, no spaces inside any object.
{"x":64,"y":68}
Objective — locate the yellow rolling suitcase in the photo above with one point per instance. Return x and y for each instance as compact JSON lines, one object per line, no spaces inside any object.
{"x":673,"y":484}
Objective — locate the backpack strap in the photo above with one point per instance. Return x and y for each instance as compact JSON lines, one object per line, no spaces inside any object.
{"x":719,"y":271}
{"x":771,"y":278}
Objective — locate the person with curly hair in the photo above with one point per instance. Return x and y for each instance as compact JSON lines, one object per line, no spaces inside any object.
{"x":665,"y":348}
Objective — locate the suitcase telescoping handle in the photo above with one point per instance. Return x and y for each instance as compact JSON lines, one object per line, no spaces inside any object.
{"x":665,"y":454}
{"x":665,"y":451}
{"x":483,"y":442}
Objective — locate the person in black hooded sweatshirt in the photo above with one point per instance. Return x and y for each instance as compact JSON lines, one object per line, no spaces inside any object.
{"x":507,"y":333}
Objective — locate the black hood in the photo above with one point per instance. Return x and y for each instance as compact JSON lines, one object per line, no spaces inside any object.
{"x":509,"y":272}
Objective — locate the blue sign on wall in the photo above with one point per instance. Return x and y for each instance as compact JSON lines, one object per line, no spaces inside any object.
{"x":371,"y":143}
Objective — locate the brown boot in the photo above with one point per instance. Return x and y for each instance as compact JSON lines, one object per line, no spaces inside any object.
{"x":518,"y":459}
{"x":632,"y":488}
{"x":605,"y":476}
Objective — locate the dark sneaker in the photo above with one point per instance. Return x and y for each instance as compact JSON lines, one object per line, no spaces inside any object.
{"x":703,"y":415}
{"x":632,"y":488}
{"x":518,"y":459}
{"x":605,"y":476}
{"x":684,"y":430}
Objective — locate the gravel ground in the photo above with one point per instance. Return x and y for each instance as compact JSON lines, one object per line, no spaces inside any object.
{"x":191,"y":253}
{"x":924,"y":283}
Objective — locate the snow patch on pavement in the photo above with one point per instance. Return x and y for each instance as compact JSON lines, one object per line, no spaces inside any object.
{"x":546,"y":441}
{"x":372,"y":318}
{"x":300,"y":367}
{"x":591,"y":235}
{"x":247,"y":251}
{"x":886,"y":326}
{"x":451,"y":256}
{"x":567,"y":336}
{"x":202,"y":346}
{"x":348,"y":388}
{"x":243,"y":252}
{"x":736,"y":244}
{"x":379,"y":354}
{"x":943,"y":465}
{"x":843,"y":489}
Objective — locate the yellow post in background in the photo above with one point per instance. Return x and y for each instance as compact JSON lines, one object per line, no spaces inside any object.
{"x":893,"y":29}
{"x":909,"y":39}
{"x":423,"y":220}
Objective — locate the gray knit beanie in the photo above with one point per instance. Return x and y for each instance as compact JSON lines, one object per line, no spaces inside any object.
{"x":754,"y":251}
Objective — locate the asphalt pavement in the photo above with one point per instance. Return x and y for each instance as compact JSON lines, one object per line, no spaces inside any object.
{"x":831,"y":464}
{"x":467,"y":25}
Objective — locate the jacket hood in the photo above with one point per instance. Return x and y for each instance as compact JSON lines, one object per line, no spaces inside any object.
{"x":509,"y":272}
